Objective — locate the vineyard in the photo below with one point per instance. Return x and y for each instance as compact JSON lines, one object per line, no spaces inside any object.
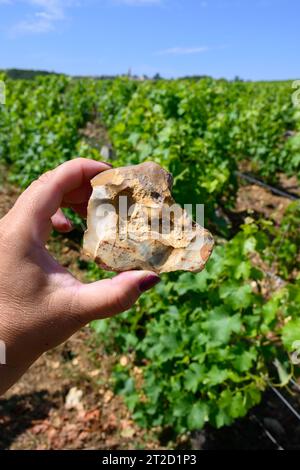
{"x":200,"y":348}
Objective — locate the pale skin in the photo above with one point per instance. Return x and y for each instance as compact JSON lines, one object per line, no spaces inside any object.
{"x":41,"y":303}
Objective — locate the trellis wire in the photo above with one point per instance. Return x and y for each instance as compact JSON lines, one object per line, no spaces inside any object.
{"x":267,"y":432}
{"x":277,"y":191}
{"x":286,"y":402}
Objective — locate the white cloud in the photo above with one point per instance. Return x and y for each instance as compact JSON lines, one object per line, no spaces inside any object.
{"x":183,"y":50}
{"x":46,"y":14}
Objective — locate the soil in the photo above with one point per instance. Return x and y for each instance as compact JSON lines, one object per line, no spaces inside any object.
{"x":66,"y":401}
{"x":257,"y":200}
{"x":35,"y":414}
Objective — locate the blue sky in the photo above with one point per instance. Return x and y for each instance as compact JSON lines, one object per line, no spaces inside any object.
{"x":254,"y":39}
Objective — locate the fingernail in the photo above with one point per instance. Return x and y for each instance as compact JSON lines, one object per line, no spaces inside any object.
{"x":67,"y":226}
{"x":149,"y":282}
{"x":108,"y":164}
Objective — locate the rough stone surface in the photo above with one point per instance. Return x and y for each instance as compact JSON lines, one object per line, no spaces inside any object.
{"x":145,"y":238}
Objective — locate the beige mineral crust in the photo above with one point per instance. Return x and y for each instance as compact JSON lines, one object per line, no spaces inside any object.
{"x":134,"y":223}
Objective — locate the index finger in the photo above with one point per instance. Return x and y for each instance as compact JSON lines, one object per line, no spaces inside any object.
{"x":40,"y":201}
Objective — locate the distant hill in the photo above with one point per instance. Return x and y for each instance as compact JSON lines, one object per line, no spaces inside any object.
{"x":16,"y":74}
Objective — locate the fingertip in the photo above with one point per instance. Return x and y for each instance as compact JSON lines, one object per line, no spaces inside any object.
{"x":150,"y":281}
{"x":66,"y":227}
{"x":61,"y":223}
{"x":144,"y":280}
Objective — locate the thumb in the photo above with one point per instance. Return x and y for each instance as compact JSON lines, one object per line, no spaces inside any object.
{"x":108,"y":297}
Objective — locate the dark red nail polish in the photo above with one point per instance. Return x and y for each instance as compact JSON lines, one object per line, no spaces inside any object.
{"x":149,"y":282}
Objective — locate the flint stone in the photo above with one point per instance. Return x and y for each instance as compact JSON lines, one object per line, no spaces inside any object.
{"x":148,"y":235}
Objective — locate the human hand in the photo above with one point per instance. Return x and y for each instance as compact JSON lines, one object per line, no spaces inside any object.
{"x":41,"y":303}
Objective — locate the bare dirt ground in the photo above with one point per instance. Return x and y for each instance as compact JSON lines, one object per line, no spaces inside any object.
{"x":65,"y":401}
{"x":260,"y":201}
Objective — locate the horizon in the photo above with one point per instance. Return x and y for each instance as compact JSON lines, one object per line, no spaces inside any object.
{"x":142,"y":77}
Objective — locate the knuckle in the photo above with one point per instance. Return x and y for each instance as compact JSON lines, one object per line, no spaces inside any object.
{"x":31,"y":192}
{"x":76,"y":160}
{"x":45,"y":177}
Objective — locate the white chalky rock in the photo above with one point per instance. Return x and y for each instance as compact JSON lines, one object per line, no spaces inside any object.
{"x":134,"y":223}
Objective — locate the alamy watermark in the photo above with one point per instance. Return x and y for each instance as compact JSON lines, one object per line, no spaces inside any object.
{"x":2,"y":93}
{"x":2,"y":353}
{"x":295,"y":357}
{"x":124,"y":219}
{"x":296,"y":94}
